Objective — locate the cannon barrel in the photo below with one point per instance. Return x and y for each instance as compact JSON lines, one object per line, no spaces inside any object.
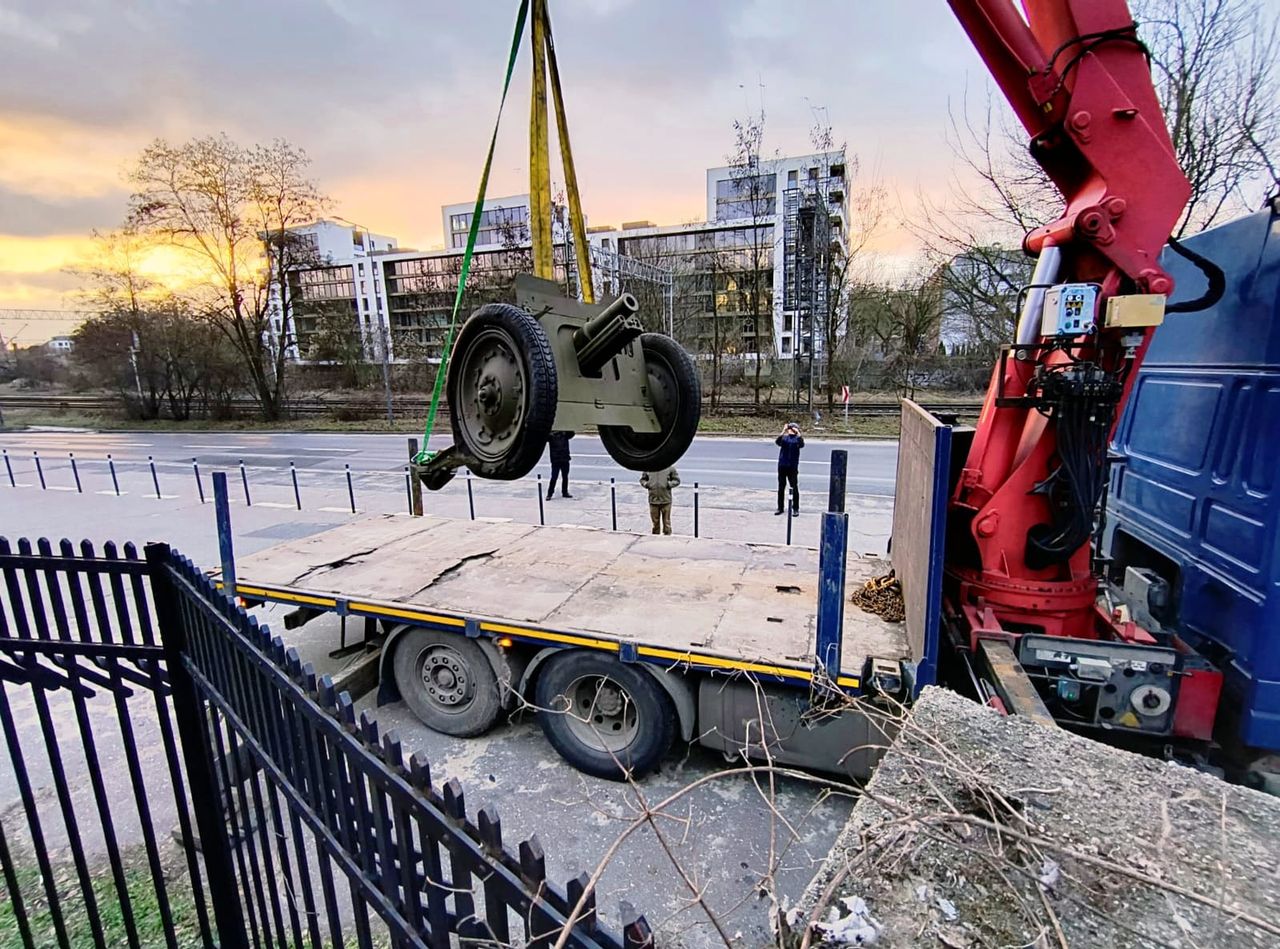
{"x":605,"y":334}
{"x":625,"y":305}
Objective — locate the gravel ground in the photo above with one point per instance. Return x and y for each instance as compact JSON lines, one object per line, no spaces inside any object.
{"x":979,"y":830}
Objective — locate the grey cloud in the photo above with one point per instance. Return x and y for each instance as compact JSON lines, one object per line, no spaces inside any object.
{"x":24,"y":215}
{"x":386,"y":87}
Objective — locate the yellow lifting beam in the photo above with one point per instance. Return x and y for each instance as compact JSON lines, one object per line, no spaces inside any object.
{"x":540,"y":203}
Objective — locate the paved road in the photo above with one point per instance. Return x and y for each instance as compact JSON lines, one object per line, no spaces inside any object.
{"x":719,"y":462}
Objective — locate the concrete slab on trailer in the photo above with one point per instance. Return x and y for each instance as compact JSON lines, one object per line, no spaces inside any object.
{"x":740,"y":601}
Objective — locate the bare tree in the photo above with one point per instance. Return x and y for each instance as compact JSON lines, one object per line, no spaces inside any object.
{"x":233,"y":210}
{"x":867,"y":208}
{"x":1216,"y":73}
{"x":144,"y":342}
{"x":900,"y":321}
{"x":1215,"y":70}
{"x":755,"y":198}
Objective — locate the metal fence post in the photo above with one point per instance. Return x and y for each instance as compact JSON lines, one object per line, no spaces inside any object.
{"x":193,"y":732}
{"x":839,"y":471}
{"x":791,"y":506}
{"x":195,"y":466}
{"x":39,"y":469}
{"x":155,"y":478}
{"x":244,"y":478}
{"x":8,"y":466}
{"x":408,"y":491}
{"x":613,"y":501}
{"x":75,"y":472}
{"x":115,"y":482}
{"x":222,"y":517}
{"x":471,"y":498}
{"x":831,"y":578}
{"x":695,"y":509}
{"x":297,"y":497}
{"x":351,"y":491}
{"x":542,"y":514}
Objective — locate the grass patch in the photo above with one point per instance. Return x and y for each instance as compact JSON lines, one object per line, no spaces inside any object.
{"x":143,"y":902}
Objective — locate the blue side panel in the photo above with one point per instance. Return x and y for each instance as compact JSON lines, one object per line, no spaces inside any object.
{"x":927,"y":667}
{"x":1201,"y":433}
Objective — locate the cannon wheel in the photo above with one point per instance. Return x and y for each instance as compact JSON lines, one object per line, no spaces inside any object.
{"x":502,"y":391}
{"x":677,"y":401}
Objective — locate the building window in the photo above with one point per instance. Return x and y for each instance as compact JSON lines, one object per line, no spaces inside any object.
{"x":786,"y":346}
{"x":752,"y":196}
{"x":792,"y":178}
{"x":497,"y":226}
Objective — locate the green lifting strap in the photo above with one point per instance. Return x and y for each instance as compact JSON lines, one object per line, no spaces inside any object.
{"x":425,"y":455}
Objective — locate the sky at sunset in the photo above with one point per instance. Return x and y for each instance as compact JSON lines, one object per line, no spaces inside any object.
{"x":394,"y":100}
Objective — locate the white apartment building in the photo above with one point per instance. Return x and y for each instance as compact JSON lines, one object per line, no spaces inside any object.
{"x":775,"y":215}
{"x":343,"y":278}
{"x":504,"y":222}
{"x":778,"y":211}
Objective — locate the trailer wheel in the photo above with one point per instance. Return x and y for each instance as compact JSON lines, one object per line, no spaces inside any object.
{"x":448,"y":682}
{"x":605,"y":718}
{"x":676,"y":392}
{"x":502,"y":391}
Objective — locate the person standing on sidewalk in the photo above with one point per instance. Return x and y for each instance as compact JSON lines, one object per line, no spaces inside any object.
{"x":660,"y":484}
{"x":559,"y":445}
{"x":789,"y":444}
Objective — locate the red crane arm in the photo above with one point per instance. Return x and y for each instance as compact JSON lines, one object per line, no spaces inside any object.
{"x":1078,"y":79}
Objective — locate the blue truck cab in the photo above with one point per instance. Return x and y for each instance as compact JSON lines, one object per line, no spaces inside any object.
{"x":1195,"y":496}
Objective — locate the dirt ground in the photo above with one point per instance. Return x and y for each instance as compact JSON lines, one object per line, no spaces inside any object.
{"x":979,"y":830}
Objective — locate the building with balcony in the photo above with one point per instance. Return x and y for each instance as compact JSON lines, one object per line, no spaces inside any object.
{"x":748,"y":281}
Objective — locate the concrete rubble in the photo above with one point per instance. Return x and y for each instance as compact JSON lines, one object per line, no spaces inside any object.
{"x":978,"y":830}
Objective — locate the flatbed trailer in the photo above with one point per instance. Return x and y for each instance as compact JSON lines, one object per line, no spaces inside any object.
{"x":621,"y":640}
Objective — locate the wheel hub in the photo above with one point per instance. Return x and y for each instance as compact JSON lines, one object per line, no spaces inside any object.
{"x":445,"y":678}
{"x":496,"y":403}
{"x":601,"y":714}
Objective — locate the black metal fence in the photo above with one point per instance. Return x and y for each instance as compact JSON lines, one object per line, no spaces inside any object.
{"x":136,"y":699}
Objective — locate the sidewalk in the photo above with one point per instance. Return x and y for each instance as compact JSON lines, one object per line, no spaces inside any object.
{"x":179,"y":518}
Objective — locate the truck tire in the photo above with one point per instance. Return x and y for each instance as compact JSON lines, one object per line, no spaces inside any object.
{"x":605,"y":718}
{"x":502,"y":391}
{"x":676,"y":392}
{"x":447,"y":681}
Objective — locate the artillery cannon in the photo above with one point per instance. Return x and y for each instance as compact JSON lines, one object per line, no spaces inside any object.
{"x":554,"y":363}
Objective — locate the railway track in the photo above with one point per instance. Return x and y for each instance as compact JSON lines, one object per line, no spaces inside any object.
{"x":352,"y":409}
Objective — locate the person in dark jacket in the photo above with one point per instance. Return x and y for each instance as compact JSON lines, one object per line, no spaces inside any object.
{"x":789,"y":444}
{"x":559,"y":445}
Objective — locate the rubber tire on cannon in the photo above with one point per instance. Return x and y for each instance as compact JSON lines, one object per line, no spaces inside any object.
{"x":676,"y":394}
{"x":502,"y":391}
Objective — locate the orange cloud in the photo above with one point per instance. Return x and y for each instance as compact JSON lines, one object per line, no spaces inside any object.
{"x":60,"y":160}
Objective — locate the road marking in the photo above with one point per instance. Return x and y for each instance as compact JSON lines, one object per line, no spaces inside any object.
{"x":774,"y":461}
{"x":330,"y":451}
{"x":273,"y":504}
{"x":220,"y":447}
